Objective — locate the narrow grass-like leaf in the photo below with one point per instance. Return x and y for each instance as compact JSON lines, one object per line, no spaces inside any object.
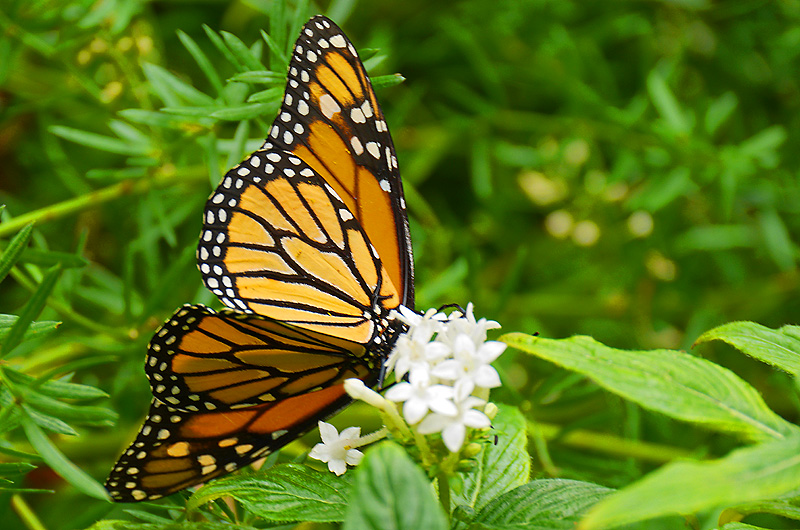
{"x":763,"y":471}
{"x":666,"y":381}
{"x":288,"y":492}
{"x":277,"y":52}
{"x":159,"y":119}
{"x":385,"y":81}
{"x":79,"y":414}
{"x":175,"y":90}
{"x":241,"y":51}
{"x":499,"y":468}
{"x":202,"y":61}
{"x":667,"y":105}
{"x":271,"y":95}
{"x":14,"y":249}
{"x":48,"y":422}
{"x":719,"y":111}
{"x":36,"y":329}
{"x":777,"y":240}
{"x":390,"y":492}
{"x":258,"y":76}
{"x":242,"y":112}
{"x":31,"y":310}
{"x":99,"y":141}
{"x":224,"y":50}
{"x":779,"y":348}
{"x":237,"y":148}
{"x":60,"y":464}
{"x":550,"y":504}
{"x":47,"y":258}
{"x":56,"y":389}
{"x":110,"y":524}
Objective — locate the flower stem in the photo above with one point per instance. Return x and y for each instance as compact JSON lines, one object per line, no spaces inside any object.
{"x":443,"y":483}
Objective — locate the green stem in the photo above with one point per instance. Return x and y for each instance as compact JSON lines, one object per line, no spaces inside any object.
{"x":443,"y":483}
{"x":609,"y":444}
{"x":25,"y":513}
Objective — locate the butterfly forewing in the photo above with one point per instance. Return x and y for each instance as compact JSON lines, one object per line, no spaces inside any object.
{"x":331,"y":119}
{"x":278,"y":241}
{"x":201,"y":360}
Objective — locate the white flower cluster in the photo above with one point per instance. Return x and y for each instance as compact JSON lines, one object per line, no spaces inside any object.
{"x":447,"y":361}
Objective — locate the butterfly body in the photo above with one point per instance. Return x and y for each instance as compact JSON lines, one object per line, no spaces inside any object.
{"x":307,"y":244}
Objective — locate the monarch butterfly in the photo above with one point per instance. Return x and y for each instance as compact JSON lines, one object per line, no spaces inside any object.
{"x":307,"y":244}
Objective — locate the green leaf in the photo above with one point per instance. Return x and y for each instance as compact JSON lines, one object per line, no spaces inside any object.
{"x":202,"y":61}
{"x":386,"y":81}
{"x":272,"y":95}
{"x":390,"y":492}
{"x":242,"y":112}
{"x":259,"y":76}
{"x":14,"y":249}
{"x":288,"y":492}
{"x":666,"y":104}
{"x":51,"y":423}
{"x":242,"y":52}
{"x":99,"y":141}
{"x":499,"y":467}
{"x":541,"y":505}
{"x":779,"y":348}
{"x":36,"y":329}
{"x":48,"y":258}
{"x":60,"y":464}
{"x":764,"y":471}
{"x":777,"y":240}
{"x":671,"y":382}
{"x":160,"y":119}
{"x":171,"y":89}
{"x":183,"y":525}
{"x":82,"y":414}
{"x":719,"y":111}
{"x":31,"y":310}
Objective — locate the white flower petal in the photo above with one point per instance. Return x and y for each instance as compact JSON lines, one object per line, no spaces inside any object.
{"x":476,"y":419}
{"x":453,"y":436}
{"x":486,"y":376}
{"x":432,"y":423}
{"x":337,"y":466}
{"x":414,"y":410}
{"x":353,"y":457}
{"x":400,"y":392}
{"x":328,"y":433}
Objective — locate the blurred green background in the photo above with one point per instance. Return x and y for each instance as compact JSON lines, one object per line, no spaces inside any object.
{"x":626,"y":170}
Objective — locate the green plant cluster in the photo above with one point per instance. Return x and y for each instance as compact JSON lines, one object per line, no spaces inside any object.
{"x":619,"y":170}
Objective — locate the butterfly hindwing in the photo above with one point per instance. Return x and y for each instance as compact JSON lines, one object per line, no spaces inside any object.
{"x":202,"y":360}
{"x":279,"y":242}
{"x":176,"y":449}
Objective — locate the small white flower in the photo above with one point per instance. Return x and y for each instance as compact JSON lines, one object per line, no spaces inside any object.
{"x":471,"y":365}
{"x":465,"y":323}
{"x":337,"y":449}
{"x":356,"y":389}
{"x":419,"y":396}
{"x":454,"y":428}
{"x":413,"y":352}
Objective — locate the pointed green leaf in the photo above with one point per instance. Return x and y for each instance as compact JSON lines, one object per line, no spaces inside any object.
{"x":31,"y":310}
{"x":259,"y":76}
{"x":777,"y":239}
{"x":390,"y":492}
{"x":183,"y":525}
{"x":99,"y":141}
{"x":550,"y":504}
{"x":719,"y":111}
{"x":202,"y":61}
{"x":779,"y":348}
{"x":667,"y":104}
{"x":243,"y":112}
{"x":499,"y":467}
{"x":242,"y":52}
{"x":763,"y":471}
{"x":60,"y":464}
{"x":36,"y":329}
{"x":671,"y":382}
{"x":51,"y":423}
{"x":172,"y":90}
{"x":14,"y":249}
{"x":288,"y":492}
{"x":385,"y":81}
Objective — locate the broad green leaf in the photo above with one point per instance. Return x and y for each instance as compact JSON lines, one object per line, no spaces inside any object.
{"x":549,"y":504}
{"x":783,"y":508}
{"x":741,"y":526}
{"x":390,"y":492}
{"x":99,"y":141}
{"x":499,"y":467}
{"x":14,"y":249}
{"x":763,"y":471}
{"x":60,"y":464}
{"x":288,"y":492}
{"x":671,"y":382}
{"x":779,"y":348}
{"x":183,"y":525}
{"x":31,"y":311}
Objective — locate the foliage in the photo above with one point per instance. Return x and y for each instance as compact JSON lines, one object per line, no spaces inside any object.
{"x":617,"y":170}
